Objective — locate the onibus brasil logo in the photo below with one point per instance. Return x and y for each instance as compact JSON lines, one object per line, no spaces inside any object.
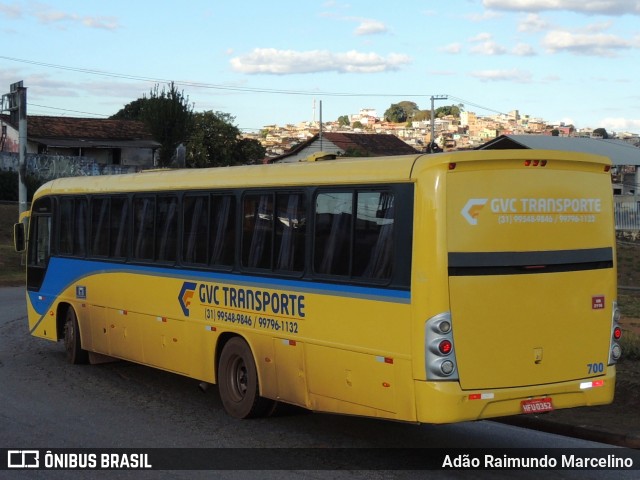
{"x":186,"y":295}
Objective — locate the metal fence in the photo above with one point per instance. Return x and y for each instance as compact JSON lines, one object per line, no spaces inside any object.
{"x":627,"y":212}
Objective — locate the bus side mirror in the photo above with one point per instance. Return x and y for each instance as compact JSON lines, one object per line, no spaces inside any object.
{"x":18,"y":237}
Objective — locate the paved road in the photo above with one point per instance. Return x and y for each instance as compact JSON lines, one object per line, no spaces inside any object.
{"x":47,"y":403}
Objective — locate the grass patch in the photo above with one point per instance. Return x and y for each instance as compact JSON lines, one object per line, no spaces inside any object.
{"x":629,"y":303}
{"x":11,"y":271}
{"x":630,"y":343}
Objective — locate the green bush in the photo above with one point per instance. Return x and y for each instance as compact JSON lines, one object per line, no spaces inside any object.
{"x":9,"y":186}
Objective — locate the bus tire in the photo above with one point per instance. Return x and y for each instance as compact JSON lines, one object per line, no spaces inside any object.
{"x":238,"y":382}
{"x":75,"y":354}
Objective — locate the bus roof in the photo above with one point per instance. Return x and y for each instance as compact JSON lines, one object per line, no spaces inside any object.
{"x":331,"y":172}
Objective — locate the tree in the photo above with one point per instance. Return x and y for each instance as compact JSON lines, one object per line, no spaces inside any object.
{"x":132,"y":110}
{"x":422,"y":115}
{"x":215,"y":142}
{"x":343,"y":120}
{"x":447,"y":110}
{"x":555,"y":132}
{"x":395,"y":113}
{"x":168,"y":117}
{"x":600,"y":132}
{"x":250,"y":151}
{"x":401,"y":112}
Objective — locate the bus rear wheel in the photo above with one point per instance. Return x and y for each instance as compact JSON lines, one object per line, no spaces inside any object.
{"x":75,"y":354}
{"x":238,"y":382}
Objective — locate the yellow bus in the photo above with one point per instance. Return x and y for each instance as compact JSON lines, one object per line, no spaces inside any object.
{"x":427,"y":288}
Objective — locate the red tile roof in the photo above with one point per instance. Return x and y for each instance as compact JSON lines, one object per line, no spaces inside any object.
{"x":365,"y":144}
{"x":45,"y":127}
{"x":86,"y":128}
{"x":378,"y":145}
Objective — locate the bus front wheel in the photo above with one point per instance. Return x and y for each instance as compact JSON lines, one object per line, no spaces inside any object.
{"x":75,"y":353}
{"x":238,"y":382}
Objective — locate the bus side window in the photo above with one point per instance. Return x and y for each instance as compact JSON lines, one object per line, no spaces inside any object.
{"x":223,"y":228}
{"x":81,"y":227}
{"x":374,"y":235}
{"x":65,"y":226}
{"x":257,"y":231}
{"x":195,"y":229}
{"x":333,"y":233}
{"x":354,"y":246}
{"x":290,"y":232}
{"x":119,"y":226}
{"x":99,"y":226}
{"x":143,"y":227}
{"x":166,"y":229}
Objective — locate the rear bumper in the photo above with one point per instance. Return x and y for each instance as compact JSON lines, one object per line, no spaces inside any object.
{"x":445,"y":402}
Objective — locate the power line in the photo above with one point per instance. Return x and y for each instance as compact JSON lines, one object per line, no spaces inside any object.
{"x":467,"y":102}
{"x":211,"y":85}
{"x":67,"y":110}
{"x":253,"y":90}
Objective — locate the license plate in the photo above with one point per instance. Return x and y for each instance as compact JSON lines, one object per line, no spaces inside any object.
{"x":536,"y":405}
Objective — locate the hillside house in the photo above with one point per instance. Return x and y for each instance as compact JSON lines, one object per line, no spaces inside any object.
{"x":347,"y":144}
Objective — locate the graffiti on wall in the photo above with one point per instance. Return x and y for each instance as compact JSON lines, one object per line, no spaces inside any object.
{"x":47,"y":167}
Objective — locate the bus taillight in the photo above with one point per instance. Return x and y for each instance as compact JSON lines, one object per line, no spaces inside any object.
{"x":445,"y":347}
{"x":615,"y":350}
{"x":617,"y":333}
{"x":440,"y":358}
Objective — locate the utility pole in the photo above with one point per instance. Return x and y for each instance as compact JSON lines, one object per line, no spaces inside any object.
{"x":320,"y":134}
{"x":17,"y":106}
{"x":433,"y":120}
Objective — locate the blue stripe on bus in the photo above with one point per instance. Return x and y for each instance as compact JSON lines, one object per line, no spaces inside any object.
{"x":63,"y":272}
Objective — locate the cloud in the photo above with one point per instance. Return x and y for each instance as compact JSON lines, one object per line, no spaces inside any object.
{"x":61,"y":18}
{"x":47,"y":16}
{"x":488,"y":48}
{"x":523,"y":50}
{"x":483,"y":44}
{"x":533,"y":23}
{"x":598,"y":44}
{"x":621,"y":124}
{"x":452,"y":48}
{"x":284,"y":62}
{"x":481,"y":37}
{"x":11,"y":11}
{"x":589,"y":7}
{"x":481,"y":17}
{"x":513,"y":75}
{"x":366,"y":26}
{"x":370,"y":27}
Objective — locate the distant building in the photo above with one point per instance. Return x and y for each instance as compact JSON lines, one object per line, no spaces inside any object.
{"x":347,"y":144}
{"x":107,"y":142}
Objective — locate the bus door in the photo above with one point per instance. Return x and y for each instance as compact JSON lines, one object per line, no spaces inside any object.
{"x":39,"y":239}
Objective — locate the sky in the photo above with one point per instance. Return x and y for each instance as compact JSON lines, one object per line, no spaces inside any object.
{"x":572,"y":61}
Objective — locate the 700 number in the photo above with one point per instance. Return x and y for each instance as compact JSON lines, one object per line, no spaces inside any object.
{"x":595,"y":368}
